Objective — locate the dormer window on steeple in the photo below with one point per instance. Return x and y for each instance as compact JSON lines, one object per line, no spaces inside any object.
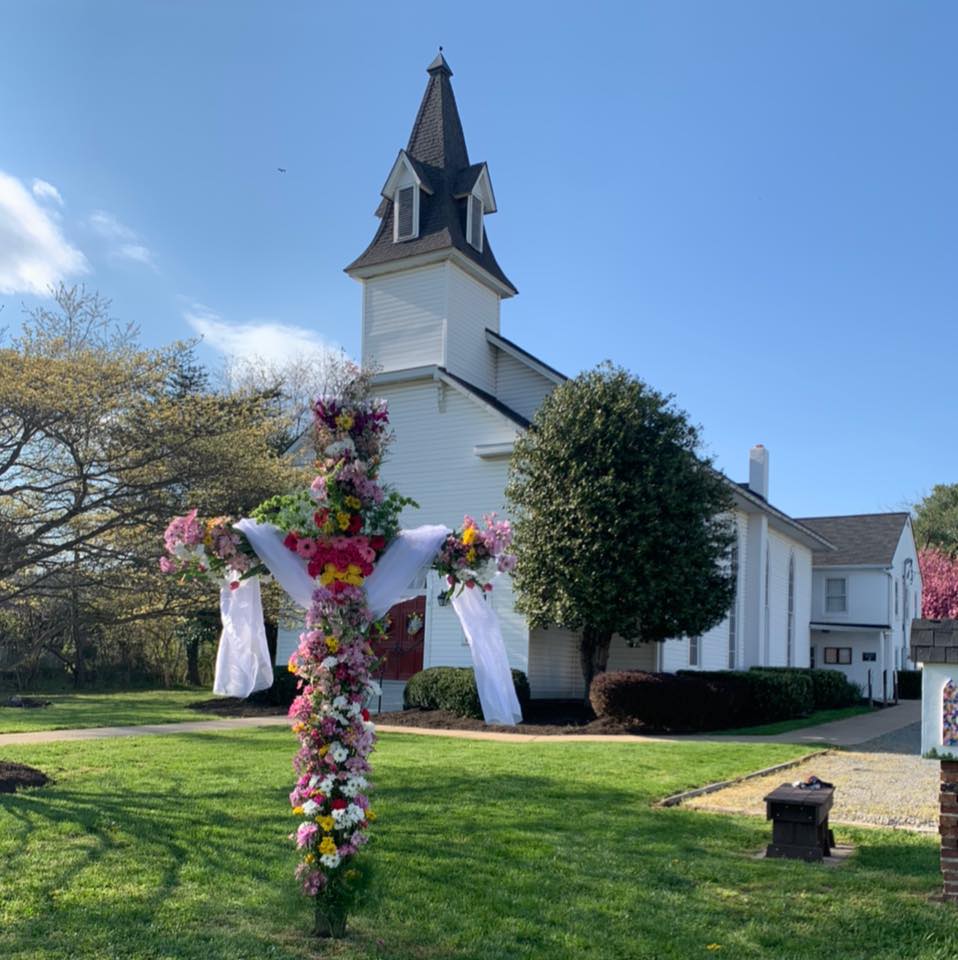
{"x":406,"y":213}
{"x":474,"y":224}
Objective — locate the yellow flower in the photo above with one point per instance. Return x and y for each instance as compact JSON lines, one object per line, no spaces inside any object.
{"x":471,"y":555}
{"x":299,"y":727}
{"x":297,"y":811}
{"x":469,"y":535}
{"x":326,"y":846}
{"x":354,"y":502}
{"x":324,"y":749}
{"x":345,"y":421}
{"x":370,"y":816}
{"x":342,"y":519}
{"x":332,"y":644}
{"x":309,"y":858}
{"x":714,"y":946}
{"x":326,"y":823}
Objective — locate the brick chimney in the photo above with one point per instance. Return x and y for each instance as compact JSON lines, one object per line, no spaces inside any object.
{"x":758,"y":470}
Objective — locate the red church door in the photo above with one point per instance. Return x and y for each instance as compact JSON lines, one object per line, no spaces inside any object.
{"x":402,"y":645}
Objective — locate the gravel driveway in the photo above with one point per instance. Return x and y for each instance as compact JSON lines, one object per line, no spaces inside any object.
{"x":872,"y":785}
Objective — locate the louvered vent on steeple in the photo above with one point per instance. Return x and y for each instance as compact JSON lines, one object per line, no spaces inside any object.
{"x":405,"y":226}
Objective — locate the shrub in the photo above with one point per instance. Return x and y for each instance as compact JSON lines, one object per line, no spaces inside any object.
{"x":830,"y":688}
{"x":454,"y":689}
{"x":909,"y":684}
{"x":700,"y":700}
{"x":280,"y":694}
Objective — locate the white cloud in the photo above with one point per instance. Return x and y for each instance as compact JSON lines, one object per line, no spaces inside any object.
{"x":262,"y":340}
{"x":34,"y":254}
{"x":125,"y":243}
{"x":43,"y":190}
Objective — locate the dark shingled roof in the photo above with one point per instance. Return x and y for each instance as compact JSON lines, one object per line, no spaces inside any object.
{"x":867,"y":538}
{"x":437,"y":147}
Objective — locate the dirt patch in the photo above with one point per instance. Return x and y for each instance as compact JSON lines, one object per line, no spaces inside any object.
{"x":541,"y":718}
{"x":26,"y":703}
{"x":234,"y":707}
{"x":15,"y":776}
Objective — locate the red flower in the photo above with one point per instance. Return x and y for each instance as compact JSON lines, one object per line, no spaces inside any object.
{"x":338,"y":804}
{"x":355,"y":523}
{"x":290,"y":540}
{"x":320,"y":517}
{"x":470,"y":583}
{"x":364,"y":713}
{"x":234,"y":585}
{"x":488,"y":588}
{"x":378,"y":542}
{"x":314,"y":568}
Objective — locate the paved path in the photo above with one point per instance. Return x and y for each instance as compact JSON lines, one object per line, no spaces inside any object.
{"x":145,"y":730}
{"x":851,"y":732}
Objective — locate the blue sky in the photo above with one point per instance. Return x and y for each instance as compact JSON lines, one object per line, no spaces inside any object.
{"x":752,"y":205}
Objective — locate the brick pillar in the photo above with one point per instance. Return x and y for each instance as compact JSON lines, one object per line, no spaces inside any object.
{"x":948,"y":827}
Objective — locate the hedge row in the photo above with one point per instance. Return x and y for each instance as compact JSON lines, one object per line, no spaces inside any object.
{"x":693,"y":700}
{"x":830,"y":688}
{"x":454,"y":689}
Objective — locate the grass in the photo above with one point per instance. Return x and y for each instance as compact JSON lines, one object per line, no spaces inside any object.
{"x":175,"y":847}
{"x":796,"y":723}
{"x":130,"y":708}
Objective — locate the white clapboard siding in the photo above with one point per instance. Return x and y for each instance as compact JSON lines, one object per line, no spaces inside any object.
{"x":471,"y":308}
{"x":519,"y":386}
{"x":555,"y":671}
{"x":433,"y":460}
{"x":403,"y":318}
{"x":781,"y":548}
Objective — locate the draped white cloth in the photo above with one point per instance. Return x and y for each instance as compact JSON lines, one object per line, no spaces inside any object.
{"x":399,"y":575}
{"x":242,"y":661}
{"x":497,"y":692}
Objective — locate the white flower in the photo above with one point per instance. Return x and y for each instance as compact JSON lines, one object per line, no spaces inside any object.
{"x":339,"y":702}
{"x":330,"y":860}
{"x":326,"y":785}
{"x":310,"y":807}
{"x":329,"y":663}
{"x":374,"y":688}
{"x":313,"y":781}
{"x":340,"y":753}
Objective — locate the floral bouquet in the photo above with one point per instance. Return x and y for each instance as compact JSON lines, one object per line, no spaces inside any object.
{"x":472,"y":557}
{"x":209,"y":550}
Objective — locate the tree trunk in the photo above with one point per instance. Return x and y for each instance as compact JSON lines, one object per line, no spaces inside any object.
{"x":593,"y":655}
{"x":193,"y":662}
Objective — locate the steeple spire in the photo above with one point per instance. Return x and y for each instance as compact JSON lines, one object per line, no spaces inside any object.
{"x":444,"y":197}
{"x":437,"y":137}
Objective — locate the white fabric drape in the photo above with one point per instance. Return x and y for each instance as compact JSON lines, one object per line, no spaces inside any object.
{"x":497,"y":692}
{"x":288,"y":568}
{"x":401,"y":570}
{"x":242,"y":661}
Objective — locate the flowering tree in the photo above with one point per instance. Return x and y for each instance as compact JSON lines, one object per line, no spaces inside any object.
{"x":339,"y":528}
{"x":939,"y":584}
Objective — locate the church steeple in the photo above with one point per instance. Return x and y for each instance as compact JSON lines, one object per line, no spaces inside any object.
{"x":434,"y":201}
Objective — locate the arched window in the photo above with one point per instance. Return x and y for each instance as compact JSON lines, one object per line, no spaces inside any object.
{"x":733,"y":611}
{"x":790,"y":639}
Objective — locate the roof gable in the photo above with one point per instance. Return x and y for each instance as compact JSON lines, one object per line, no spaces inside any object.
{"x":868,"y":539}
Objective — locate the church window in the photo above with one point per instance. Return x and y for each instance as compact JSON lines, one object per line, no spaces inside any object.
{"x":474,"y":226}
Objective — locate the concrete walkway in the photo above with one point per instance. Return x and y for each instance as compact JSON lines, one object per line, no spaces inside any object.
{"x":841,"y":733}
{"x":145,"y":730}
{"x":849,"y":732}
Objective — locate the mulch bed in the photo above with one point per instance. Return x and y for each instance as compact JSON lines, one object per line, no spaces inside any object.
{"x":542,"y":718}
{"x":26,"y":703}
{"x":15,"y":776}
{"x":234,"y":707}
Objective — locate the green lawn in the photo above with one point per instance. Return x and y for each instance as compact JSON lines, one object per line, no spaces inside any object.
{"x":175,"y":847}
{"x":796,"y":723}
{"x":103,"y":710}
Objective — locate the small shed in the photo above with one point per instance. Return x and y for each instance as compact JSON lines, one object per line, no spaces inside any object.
{"x":934,"y":645}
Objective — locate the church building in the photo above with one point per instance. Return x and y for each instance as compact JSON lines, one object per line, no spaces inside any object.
{"x":460,"y":393}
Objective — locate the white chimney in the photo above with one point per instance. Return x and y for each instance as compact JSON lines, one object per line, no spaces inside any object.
{"x":758,"y":470}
